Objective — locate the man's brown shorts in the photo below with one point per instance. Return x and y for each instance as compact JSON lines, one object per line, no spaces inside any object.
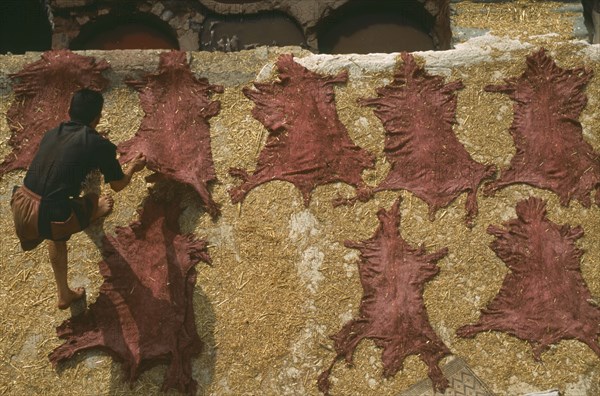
{"x":25,"y":206}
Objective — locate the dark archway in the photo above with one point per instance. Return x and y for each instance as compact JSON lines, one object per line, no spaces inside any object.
{"x":24,"y":26}
{"x":364,"y":26}
{"x":237,"y":32}
{"x":136,"y":31}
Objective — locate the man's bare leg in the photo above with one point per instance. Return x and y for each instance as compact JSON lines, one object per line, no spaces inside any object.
{"x":596,"y":19}
{"x":105,"y":206}
{"x":58,"y":258}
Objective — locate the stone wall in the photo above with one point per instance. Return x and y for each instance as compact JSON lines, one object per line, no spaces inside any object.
{"x":185,"y":17}
{"x":281,"y":280}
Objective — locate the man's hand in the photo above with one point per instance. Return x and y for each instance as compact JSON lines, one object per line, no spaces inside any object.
{"x":135,"y":165}
{"x":138,"y":163}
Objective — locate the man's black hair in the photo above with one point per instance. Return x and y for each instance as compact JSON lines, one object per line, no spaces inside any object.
{"x":86,"y":105}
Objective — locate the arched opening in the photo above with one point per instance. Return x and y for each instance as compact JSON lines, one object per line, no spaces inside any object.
{"x":138,"y":31}
{"x":235,"y":32}
{"x":24,"y":26}
{"x":377,"y":26}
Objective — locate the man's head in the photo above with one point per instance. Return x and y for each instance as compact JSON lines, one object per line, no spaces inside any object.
{"x":86,"y":107}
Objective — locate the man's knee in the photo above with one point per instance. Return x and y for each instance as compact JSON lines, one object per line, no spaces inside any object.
{"x":596,"y":20}
{"x":56,"y":244}
{"x":57,"y":249}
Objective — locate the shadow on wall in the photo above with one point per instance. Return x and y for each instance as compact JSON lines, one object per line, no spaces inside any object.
{"x":203,"y":366}
{"x":137,"y":31}
{"x":366,"y":27}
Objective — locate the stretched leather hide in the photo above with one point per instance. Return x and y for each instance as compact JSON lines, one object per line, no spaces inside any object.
{"x":175,"y":133}
{"x":392,"y":310}
{"x":43,"y":91}
{"x":417,"y":111}
{"x":144,"y":314}
{"x":551,"y":152}
{"x":307,"y":145}
{"x":544,"y":299}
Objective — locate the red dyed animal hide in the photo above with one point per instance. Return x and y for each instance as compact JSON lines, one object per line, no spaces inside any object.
{"x":42,"y":97}
{"x":308,"y":145}
{"x":144,"y":313}
{"x":551,"y":152}
{"x":392,"y":311}
{"x":417,"y":111}
{"x":175,"y":133}
{"x":544,"y":299}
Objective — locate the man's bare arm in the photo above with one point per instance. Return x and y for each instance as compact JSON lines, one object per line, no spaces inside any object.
{"x":136,"y":165}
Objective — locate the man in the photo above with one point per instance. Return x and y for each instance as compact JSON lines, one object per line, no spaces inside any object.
{"x":591,"y":16}
{"x":48,"y":205}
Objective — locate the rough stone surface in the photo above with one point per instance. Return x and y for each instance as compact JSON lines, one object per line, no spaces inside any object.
{"x":259,"y":288}
{"x":309,"y":14}
{"x":189,"y":41}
